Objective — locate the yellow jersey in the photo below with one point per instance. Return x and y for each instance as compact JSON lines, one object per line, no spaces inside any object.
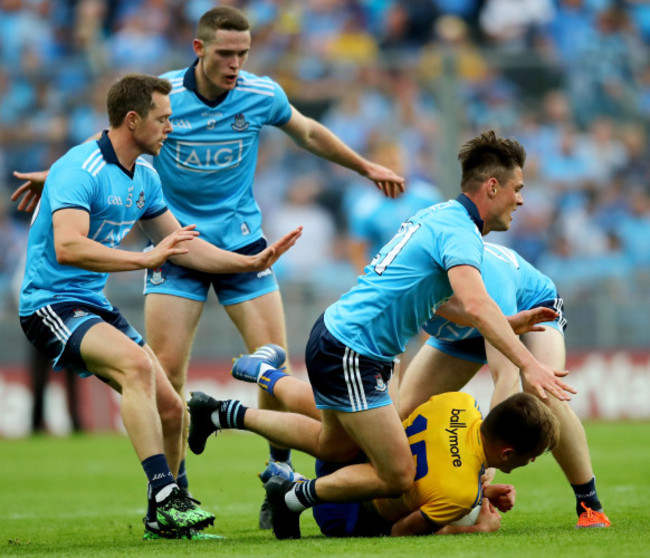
{"x":449,"y":459}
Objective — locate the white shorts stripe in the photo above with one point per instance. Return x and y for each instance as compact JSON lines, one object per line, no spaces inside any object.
{"x":54,"y":323}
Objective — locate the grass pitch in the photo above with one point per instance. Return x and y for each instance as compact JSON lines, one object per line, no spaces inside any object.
{"x":85,"y":495}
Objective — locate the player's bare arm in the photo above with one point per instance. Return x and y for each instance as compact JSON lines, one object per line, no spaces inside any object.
{"x":486,"y":316}
{"x":206,"y":257}
{"x":521,"y":322}
{"x":488,"y":520}
{"x":317,"y":139}
{"x":73,"y":247}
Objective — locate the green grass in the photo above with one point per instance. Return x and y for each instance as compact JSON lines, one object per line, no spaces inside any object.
{"x":85,"y":495}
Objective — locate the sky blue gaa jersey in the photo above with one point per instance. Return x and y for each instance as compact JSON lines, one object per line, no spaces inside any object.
{"x":374,"y":218}
{"x":88,"y":177}
{"x":407,"y":280}
{"x":512,"y":282}
{"x":208,"y":162}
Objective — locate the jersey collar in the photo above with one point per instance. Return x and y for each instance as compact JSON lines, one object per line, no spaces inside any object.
{"x":189,"y":82}
{"x":471,"y":208}
{"x":106,"y":147}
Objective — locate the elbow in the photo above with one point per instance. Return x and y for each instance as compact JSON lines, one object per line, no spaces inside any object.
{"x":65,"y":255}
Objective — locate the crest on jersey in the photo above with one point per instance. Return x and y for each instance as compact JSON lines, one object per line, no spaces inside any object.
{"x":381,"y":385}
{"x":140,"y":203}
{"x":157,"y":277}
{"x":240,"y":124}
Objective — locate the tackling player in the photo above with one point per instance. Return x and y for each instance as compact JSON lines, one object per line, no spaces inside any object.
{"x":454,"y":353}
{"x":451,"y":447}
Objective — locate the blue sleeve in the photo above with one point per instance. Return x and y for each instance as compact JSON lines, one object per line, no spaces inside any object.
{"x":458,"y":244}
{"x":70,"y":188}
{"x":280,"y":112}
{"x":157,"y":205}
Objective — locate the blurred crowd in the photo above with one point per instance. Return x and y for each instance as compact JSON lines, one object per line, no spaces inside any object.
{"x":570,"y":79}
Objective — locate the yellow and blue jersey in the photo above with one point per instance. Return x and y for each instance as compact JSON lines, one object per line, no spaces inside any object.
{"x":444,"y":434}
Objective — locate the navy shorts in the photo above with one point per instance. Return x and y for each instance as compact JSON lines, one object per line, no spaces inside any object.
{"x":347,"y":519}
{"x":473,"y":348}
{"x":57,"y":330}
{"x":231,"y":288}
{"x":342,"y":379}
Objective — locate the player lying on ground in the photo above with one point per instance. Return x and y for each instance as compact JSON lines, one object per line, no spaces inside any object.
{"x":451,"y":446}
{"x":455,"y":353}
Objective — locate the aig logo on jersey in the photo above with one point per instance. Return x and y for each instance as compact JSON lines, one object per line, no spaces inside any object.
{"x":208,"y":156}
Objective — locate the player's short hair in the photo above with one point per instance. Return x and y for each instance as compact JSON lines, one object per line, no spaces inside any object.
{"x":489,"y":155}
{"x":523,"y":423}
{"x":133,"y":92}
{"x":223,"y":17}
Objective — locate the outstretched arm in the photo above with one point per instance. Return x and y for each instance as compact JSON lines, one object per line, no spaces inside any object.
{"x":206,"y":257}
{"x":73,"y":247}
{"x":486,"y":316}
{"x":317,"y":139}
{"x":29,"y":192}
{"x":521,"y":322}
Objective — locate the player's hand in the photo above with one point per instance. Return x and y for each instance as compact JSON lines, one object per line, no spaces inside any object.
{"x":266,"y":258}
{"x":489,"y":519}
{"x":30,"y":190}
{"x":501,"y":496}
{"x":390,"y":183}
{"x":487,"y":477}
{"x":169,"y":246}
{"x":541,"y":378}
{"x":526,"y":320}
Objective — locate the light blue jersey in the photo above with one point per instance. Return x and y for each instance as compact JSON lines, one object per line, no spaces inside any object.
{"x":373,"y":218}
{"x":88,"y":177}
{"x":208,"y":162}
{"x":407,"y":281}
{"x":513,"y":283}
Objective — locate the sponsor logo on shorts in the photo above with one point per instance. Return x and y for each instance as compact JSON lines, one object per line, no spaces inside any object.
{"x":79,"y":313}
{"x":380,"y":385}
{"x":264,"y":273}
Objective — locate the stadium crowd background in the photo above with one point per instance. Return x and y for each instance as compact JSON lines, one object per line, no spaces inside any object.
{"x":570,"y":79}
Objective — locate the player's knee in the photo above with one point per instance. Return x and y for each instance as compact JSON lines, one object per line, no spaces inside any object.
{"x":171,"y":411}
{"x":400,"y":479}
{"x":139,"y":370}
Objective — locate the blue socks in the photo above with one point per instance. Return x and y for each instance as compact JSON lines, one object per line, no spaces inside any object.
{"x":159,"y":475}
{"x":587,"y":493}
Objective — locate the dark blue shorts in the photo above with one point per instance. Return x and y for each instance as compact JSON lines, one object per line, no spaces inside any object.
{"x":57,"y":330}
{"x":346,"y":519}
{"x":231,"y":288}
{"x":473,"y":348}
{"x":342,"y":379}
